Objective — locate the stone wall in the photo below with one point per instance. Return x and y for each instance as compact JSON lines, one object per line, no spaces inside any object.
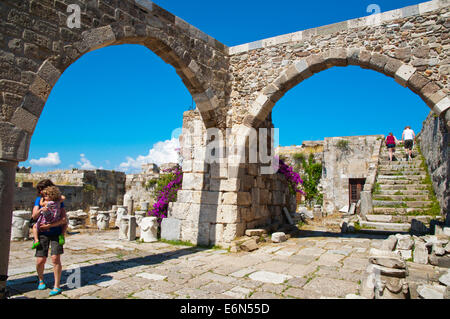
{"x":136,"y":185}
{"x":76,"y":198}
{"x":219,"y":201}
{"x":434,"y":142}
{"x":37,"y":45}
{"x":234,"y":88}
{"x":346,"y":160}
{"x":307,"y":148}
{"x":82,"y":188}
{"x":409,"y":44}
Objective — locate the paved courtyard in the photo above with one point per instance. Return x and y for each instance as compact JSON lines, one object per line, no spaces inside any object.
{"x":313,"y":265}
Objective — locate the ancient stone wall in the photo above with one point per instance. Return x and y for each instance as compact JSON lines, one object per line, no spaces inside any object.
{"x":234,"y":88}
{"x":347,"y":158}
{"x":75,"y":197}
{"x":60,"y":177}
{"x":219,"y":201}
{"x":434,"y":142}
{"x":137,"y":186}
{"x":37,"y":45}
{"x":82,"y":188}
{"x":306,"y":149}
{"x":409,"y":44}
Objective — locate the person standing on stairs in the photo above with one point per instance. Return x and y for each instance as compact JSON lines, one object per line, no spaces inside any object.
{"x":409,"y":139}
{"x":391,"y":141}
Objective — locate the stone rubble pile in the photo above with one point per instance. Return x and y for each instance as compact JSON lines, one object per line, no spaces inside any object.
{"x":433,"y":250}
{"x":389,"y":276}
{"x":386,"y":276}
{"x":254,"y":237}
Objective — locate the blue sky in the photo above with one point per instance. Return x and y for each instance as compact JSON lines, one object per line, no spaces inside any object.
{"x":118,"y":107}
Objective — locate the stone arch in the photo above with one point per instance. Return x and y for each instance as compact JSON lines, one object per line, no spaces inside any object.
{"x":406,"y":75}
{"x":37,"y":45}
{"x":26,"y":116}
{"x":40,"y":46}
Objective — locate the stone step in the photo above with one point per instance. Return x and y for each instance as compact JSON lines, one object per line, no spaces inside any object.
{"x":402,"y":204}
{"x":403,"y":182}
{"x":398,"y":211}
{"x":400,"y":158}
{"x":405,"y":173}
{"x":390,"y":227}
{"x":400,"y":218}
{"x":410,"y":187}
{"x":398,"y":154}
{"x":400,"y":163}
{"x":402,"y":177}
{"x":399,"y":168}
{"x":403,"y":198}
{"x":388,"y":192}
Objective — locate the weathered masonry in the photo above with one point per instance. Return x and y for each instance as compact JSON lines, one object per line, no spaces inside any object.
{"x":234,"y":88}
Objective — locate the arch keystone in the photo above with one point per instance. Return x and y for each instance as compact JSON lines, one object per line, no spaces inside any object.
{"x":303,"y":70}
{"x":364,"y":59}
{"x":335,"y":57}
{"x":316,"y":63}
{"x":404,"y":73}
{"x":353,"y":56}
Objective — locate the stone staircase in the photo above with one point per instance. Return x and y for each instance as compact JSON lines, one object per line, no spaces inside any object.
{"x":400,"y":194}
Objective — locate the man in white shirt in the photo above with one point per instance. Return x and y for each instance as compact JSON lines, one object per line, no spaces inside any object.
{"x":409,"y":139}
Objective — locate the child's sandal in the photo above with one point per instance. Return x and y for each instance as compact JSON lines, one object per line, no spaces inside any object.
{"x":55,"y":291}
{"x":42,"y":285}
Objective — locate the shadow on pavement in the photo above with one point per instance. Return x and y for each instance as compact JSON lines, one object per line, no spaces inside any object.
{"x":300,"y":233}
{"x":93,"y":274}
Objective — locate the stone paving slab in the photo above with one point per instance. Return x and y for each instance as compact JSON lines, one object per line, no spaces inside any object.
{"x":326,"y":266}
{"x":330,"y":287}
{"x":269,"y":277}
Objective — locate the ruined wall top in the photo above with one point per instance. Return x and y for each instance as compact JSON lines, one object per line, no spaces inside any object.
{"x":368,"y":21}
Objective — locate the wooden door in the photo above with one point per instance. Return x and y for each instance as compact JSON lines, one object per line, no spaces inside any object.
{"x":356,"y":185}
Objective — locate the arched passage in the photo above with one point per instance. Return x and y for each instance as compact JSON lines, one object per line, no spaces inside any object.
{"x":112,"y":106}
{"x":406,"y":75}
{"x":46,"y":46}
{"x":26,"y":116}
{"x":297,"y":70}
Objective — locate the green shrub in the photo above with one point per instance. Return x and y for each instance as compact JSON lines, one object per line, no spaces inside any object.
{"x":342,"y":145}
{"x":151,"y":183}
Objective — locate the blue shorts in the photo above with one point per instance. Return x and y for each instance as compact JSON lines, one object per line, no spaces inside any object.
{"x":390,"y":146}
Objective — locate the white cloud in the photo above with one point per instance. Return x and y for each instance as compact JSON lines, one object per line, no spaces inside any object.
{"x":162,"y":152}
{"x":52,"y":159}
{"x":84,"y":163}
